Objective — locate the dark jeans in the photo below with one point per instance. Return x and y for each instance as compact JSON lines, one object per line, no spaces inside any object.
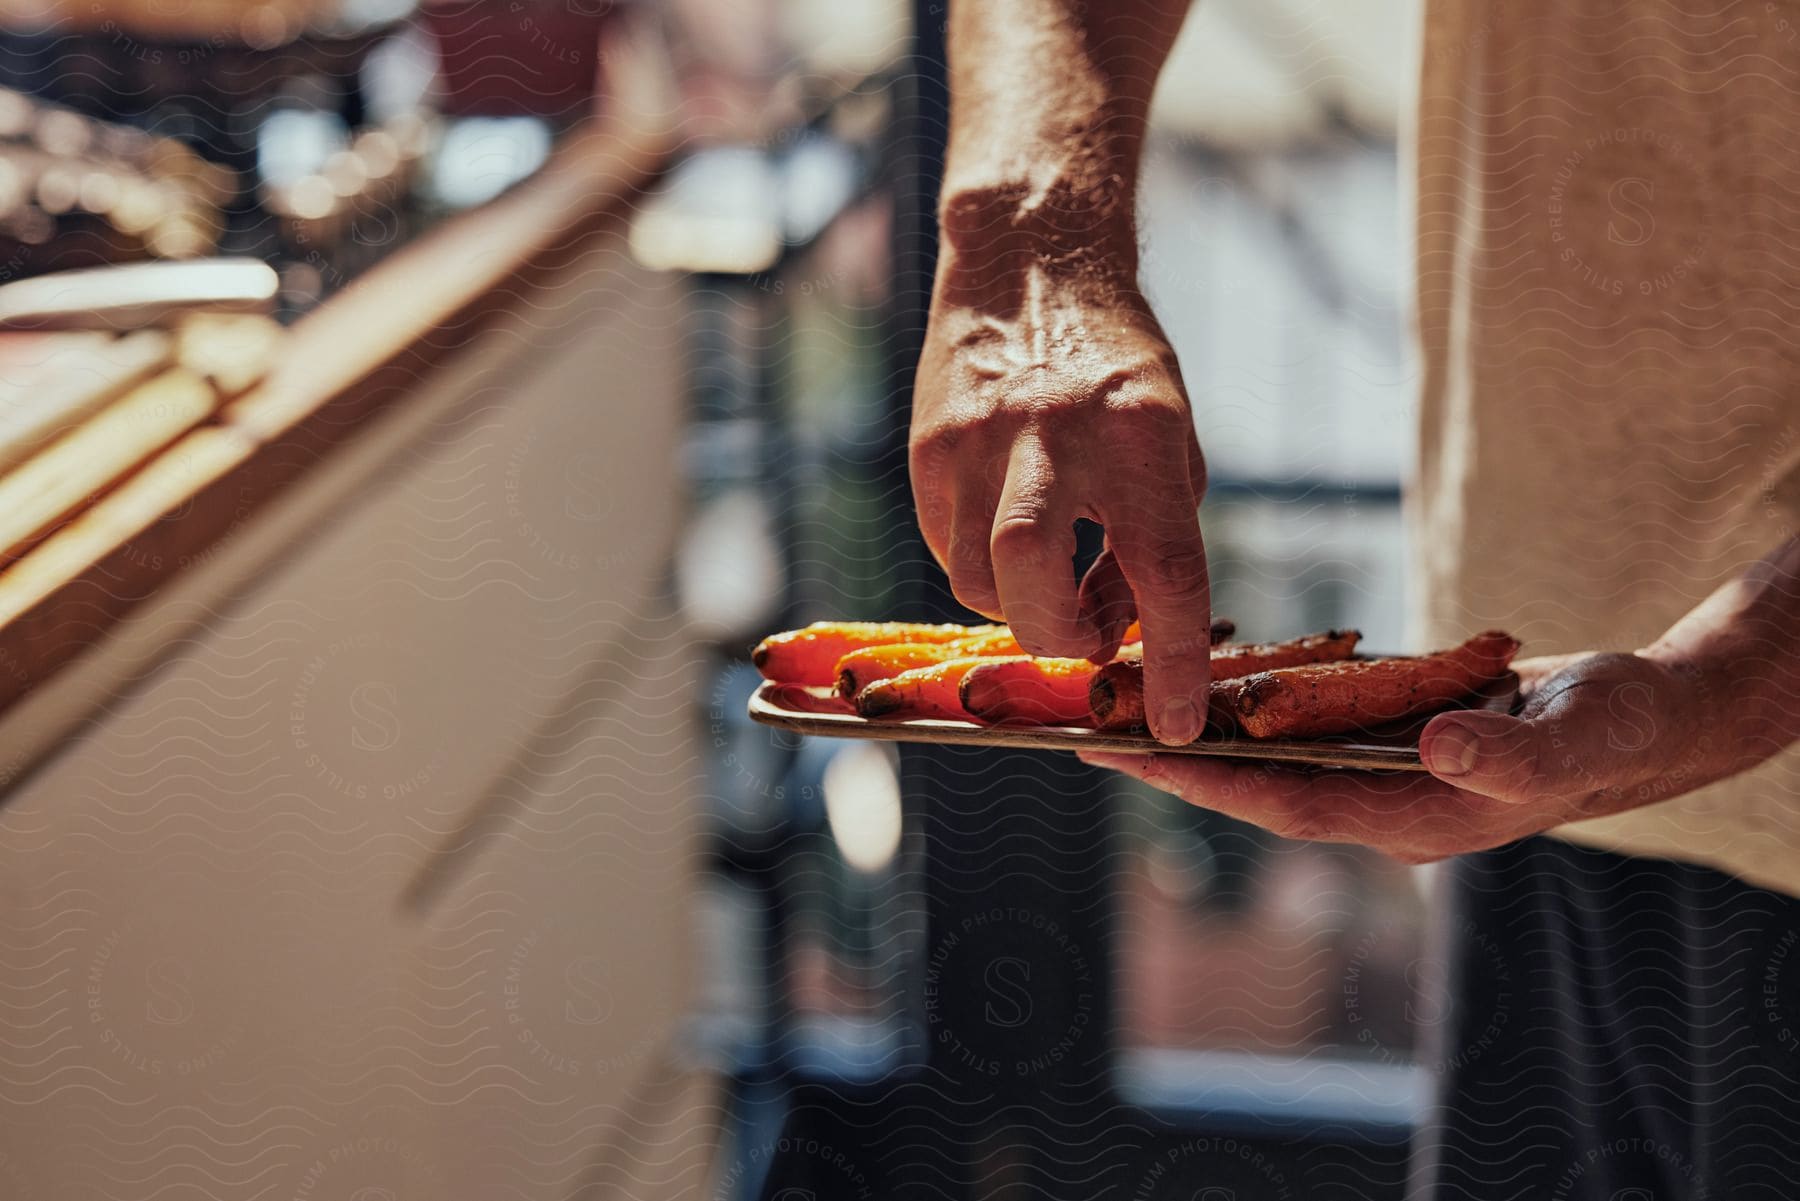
{"x":1622,"y":1029}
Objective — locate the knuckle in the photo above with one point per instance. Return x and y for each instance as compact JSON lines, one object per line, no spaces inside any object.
{"x":1174,"y":569}
{"x":1164,"y":419}
{"x":1035,"y":396}
{"x":1025,"y":540}
{"x":968,"y":424}
{"x":1510,"y":759}
{"x":934,"y":445}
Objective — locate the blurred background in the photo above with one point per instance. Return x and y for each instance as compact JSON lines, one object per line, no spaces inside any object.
{"x":915,"y":972}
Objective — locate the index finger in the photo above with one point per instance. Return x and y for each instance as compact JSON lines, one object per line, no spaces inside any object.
{"x":1155,"y":532}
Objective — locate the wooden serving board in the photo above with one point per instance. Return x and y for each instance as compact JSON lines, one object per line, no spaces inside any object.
{"x":1392,"y":748}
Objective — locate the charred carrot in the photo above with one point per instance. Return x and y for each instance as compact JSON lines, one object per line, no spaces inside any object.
{"x":1247,"y":658}
{"x":922,"y":692}
{"x":1332,"y":698}
{"x":1116,"y":694}
{"x":860,"y":668}
{"x":810,"y":655}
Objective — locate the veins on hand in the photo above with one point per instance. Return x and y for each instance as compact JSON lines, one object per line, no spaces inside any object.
{"x":1038,"y":333}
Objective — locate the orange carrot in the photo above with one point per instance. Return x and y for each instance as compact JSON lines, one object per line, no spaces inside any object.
{"x":1332,"y":698}
{"x":1116,"y":695}
{"x":922,"y":692}
{"x":860,"y":668}
{"x":810,"y":655}
{"x":1046,"y":691}
{"x":1050,"y":692}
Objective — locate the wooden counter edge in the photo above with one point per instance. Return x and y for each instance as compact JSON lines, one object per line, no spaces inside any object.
{"x":357,"y":356}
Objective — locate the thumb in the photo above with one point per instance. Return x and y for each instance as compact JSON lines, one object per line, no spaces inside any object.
{"x":1494,"y":754}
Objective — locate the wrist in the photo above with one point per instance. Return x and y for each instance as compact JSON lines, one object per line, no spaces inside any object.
{"x":1697,"y":723}
{"x":999,"y":237}
{"x":1008,"y":225}
{"x":1069,"y":205}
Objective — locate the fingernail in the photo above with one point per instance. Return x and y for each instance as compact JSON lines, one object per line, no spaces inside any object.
{"x":1180,"y":722}
{"x":1452,"y":751}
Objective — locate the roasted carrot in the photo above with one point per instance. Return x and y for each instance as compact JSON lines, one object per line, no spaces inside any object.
{"x":1045,"y":691}
{"x":860,"y":668}
{"x":810,"y":655}
{"x":1050,"y":692}
{"x":1221,"y":629}
{"x":1116,"y":694}
{"x":1248,"y":658}
{"x":922,"y":692}
{"x":1331,"y":698}
{"x":805,"y":698}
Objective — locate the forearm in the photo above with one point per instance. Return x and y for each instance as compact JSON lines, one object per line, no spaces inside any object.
{"x":1050,"y":102}
{"x":1741,"y":647}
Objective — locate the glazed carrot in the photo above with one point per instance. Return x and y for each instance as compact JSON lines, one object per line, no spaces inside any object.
{"x":1046,"y":691}
{"x":1052,"y":692}
{"x":1331,"y":698}
{"x":810,"y":655}
{"x":860,"y":668}
{"x":1043,"y":690}
{"x":1116,"y":696}
{"x":922,"y":692}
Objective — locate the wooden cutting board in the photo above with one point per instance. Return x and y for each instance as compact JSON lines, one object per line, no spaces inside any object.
{"x":1392,"y":748}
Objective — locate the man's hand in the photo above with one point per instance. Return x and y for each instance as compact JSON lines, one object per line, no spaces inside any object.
{"x":1596,"y":734}
{"x":1044,"y":397}
{"x":1047,"y":391}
